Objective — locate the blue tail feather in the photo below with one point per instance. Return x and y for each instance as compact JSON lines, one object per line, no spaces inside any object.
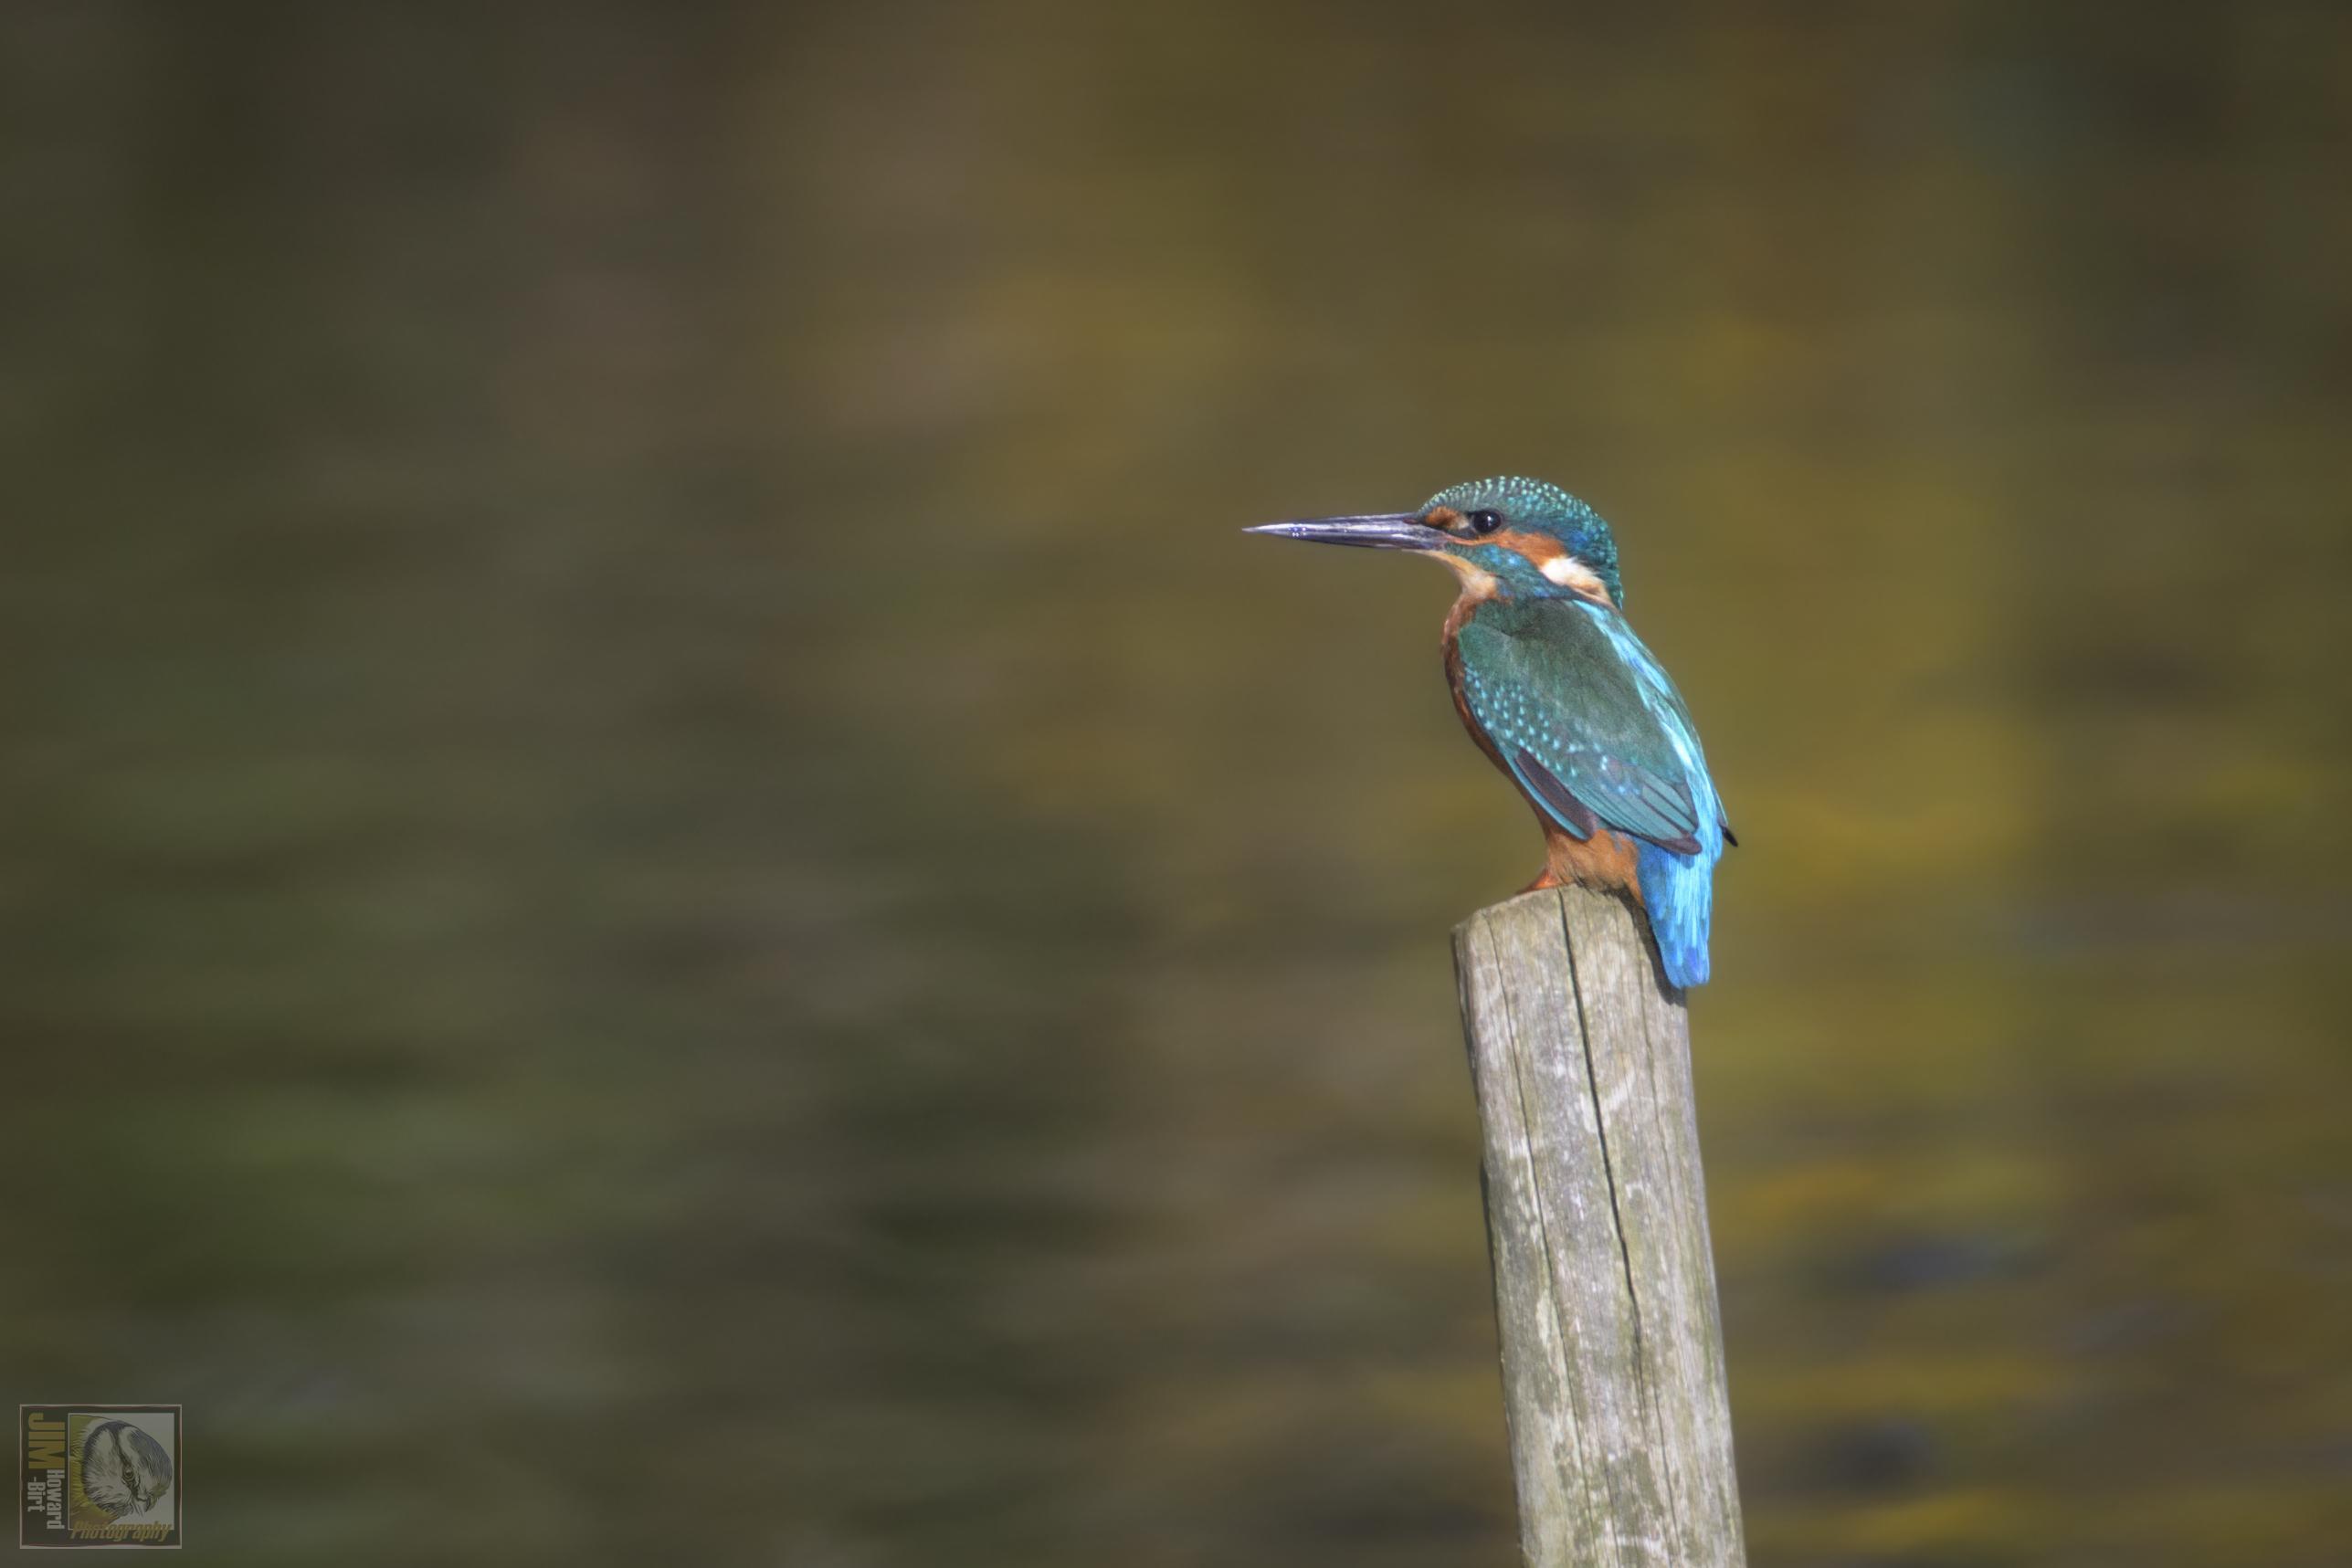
{"x":1678,"y":891}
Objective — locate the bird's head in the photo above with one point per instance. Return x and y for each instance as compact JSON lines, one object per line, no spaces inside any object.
{"x":124,"y":1469}
{"x":1501,"y":536}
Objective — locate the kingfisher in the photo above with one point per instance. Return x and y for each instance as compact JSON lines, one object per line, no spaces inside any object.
{"x":1555,"y":688}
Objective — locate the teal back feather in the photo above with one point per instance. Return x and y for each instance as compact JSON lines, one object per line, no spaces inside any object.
{"x":1570,"y":696}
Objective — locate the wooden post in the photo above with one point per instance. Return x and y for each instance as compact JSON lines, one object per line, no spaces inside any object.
{"x":1597,"y":1218}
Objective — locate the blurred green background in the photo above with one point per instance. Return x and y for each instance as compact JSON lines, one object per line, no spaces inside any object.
{"x":675,"y":894}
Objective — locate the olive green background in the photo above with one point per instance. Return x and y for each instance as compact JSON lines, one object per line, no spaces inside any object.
{"x":674,"y":892}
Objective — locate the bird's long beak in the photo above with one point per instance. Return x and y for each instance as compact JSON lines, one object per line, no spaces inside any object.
{"x":1371,"y":530}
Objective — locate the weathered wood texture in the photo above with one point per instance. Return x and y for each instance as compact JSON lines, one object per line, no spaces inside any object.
{"x":1597,"y":1217}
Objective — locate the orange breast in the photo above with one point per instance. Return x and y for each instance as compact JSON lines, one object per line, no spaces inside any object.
{"x":1606,"y":861}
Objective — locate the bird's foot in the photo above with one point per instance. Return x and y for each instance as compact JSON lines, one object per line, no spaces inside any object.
{"x":1542,"y":883}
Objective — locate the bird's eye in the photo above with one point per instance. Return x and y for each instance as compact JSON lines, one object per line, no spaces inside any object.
{"x":1484,"y":521}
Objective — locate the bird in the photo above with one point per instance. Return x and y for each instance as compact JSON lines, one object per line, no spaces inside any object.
{"x":124,"y":1470}
{"x":1553,"y":684}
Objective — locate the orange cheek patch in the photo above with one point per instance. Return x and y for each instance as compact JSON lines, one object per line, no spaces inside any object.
{"x":1550,"y":557}
{"x":1541,"y":551}
{"x":1538,"y":548}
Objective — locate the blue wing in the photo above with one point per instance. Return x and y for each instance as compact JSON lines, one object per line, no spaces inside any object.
{"x":1592,"y":728}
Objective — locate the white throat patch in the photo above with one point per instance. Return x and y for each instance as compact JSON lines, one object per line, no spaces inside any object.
{"x":1570,"y":572}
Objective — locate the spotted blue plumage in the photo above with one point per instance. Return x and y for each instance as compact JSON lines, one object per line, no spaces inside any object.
{"x":1564,"y":688}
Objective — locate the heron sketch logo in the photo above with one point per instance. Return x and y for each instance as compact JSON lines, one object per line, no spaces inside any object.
{"x":100,"y":1475}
